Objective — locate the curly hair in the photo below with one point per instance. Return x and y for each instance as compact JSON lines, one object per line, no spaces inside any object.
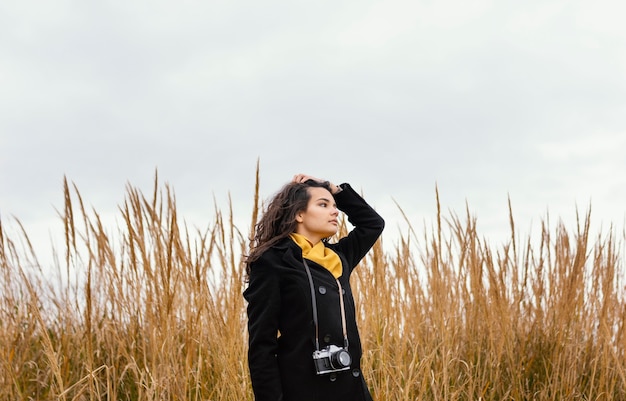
{"x":279,"y":218}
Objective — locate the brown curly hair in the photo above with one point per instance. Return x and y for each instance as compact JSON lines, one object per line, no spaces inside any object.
{"x":279,"y":218}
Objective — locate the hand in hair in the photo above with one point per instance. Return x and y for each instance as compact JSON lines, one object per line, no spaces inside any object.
{"x":305,"y":177}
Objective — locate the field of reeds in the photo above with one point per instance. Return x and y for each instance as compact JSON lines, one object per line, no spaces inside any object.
{"x":152,"y":310}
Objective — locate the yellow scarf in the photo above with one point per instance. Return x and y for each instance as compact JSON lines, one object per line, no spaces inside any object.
{"x":319,"y":254}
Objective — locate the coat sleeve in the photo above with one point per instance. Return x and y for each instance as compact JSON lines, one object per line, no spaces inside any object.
{"x":368,"y":225}
{"x":263,"y":296}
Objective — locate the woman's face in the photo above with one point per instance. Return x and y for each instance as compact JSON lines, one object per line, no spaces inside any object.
{"x":319,"y":220}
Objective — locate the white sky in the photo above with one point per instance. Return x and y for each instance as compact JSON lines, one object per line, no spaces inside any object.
{"x":484,"y":99}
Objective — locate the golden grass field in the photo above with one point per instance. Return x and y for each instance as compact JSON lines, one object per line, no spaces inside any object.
{"x":154,"y":310}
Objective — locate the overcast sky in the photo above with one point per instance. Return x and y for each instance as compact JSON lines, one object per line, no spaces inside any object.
{"x":485,"y":100}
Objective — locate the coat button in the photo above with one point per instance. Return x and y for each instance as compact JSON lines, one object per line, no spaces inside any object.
{"x":333,"y":377}
{"x":356,"y":373}
{"x":327,"y":338}
{"x":322,"y":290}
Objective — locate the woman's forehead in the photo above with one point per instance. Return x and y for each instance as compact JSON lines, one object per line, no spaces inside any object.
{"x":317,"y":193}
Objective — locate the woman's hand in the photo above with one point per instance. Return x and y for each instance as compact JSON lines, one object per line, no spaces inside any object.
{"x":305,"y":177}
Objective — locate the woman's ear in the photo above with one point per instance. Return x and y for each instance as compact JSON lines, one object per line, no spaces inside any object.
{"x":299,"y":217}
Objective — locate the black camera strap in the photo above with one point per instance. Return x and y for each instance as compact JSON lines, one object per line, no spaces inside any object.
{"x":314,"y":305}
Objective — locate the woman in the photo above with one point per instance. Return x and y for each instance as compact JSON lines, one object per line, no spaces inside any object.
{"x":299,"y":295}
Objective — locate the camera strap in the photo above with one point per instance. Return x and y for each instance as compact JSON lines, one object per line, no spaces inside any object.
{"x":314,"y":305}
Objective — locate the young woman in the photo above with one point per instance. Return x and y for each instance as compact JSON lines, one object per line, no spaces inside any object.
{"x":303,"y":338}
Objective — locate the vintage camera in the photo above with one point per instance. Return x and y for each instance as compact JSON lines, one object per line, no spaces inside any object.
{"x":331,"y":359}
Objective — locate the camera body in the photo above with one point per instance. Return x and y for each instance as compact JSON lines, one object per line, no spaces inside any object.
{"x":331,"y":359}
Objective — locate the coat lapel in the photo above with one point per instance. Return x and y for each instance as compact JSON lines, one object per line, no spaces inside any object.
{"x":291,"y":253}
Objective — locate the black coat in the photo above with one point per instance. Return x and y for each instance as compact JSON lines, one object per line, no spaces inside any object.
{"x":280,"y":319}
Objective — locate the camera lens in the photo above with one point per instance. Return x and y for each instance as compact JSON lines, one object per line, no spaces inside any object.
{"x":342,"y":359}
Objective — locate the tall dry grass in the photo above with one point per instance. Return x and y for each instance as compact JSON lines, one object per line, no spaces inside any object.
{"x":153,"y":311}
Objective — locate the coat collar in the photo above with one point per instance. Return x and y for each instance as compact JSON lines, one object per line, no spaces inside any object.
{"x":290,"y":251}
{"x":292,"y":255}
